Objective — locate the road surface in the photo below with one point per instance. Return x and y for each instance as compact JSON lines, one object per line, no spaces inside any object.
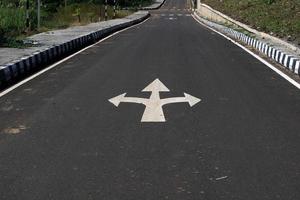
{"x":62,"y":139}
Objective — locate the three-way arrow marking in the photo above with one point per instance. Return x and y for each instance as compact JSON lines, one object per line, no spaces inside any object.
{"x":153,"y":111}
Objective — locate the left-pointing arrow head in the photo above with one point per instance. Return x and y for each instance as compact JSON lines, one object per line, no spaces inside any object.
{"x":117,"y":100}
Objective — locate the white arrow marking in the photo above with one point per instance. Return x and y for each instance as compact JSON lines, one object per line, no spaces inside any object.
{"x":187,"y":98}
{"x":156,"y":86}
{"x":121,"y":98}
{"x":153,"y":111}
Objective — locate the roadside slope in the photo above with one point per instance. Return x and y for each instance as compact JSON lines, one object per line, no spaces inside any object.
{"x":280,"y":18}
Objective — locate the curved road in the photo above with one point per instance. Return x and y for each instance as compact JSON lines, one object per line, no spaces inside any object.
{"x":62,"y":139}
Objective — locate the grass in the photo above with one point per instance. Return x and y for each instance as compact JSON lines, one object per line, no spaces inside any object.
{"x":80,"y":14}
{"x":11,"y":25}
{"x":277,"y":17}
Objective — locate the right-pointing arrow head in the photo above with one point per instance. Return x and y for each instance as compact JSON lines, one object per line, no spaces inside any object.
{"x":117,"y":100}
{"x":191,"y":99}
{"x":157,"y":86}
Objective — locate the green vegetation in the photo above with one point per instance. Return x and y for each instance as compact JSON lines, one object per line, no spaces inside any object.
{"x":278,"y":17}
{"x":55,"y":14}
{"x":11,"y":24}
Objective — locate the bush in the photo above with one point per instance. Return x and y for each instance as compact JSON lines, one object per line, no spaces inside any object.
{"x":2,"y":36}
{"x":12,"y":23}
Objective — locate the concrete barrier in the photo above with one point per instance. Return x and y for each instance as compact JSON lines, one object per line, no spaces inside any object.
{"x":210,"y":14}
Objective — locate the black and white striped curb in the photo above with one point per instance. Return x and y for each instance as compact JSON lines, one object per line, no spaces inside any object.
{"x":289,"y":61}
{"x":156,"y":5}
{"x":36,"y":61}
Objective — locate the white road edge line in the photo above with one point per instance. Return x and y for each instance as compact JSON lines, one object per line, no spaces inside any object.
{"x":64,"y":60}
{"x":283,"y":75}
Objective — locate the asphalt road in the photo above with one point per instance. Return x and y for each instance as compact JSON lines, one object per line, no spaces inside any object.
{"x":62,"y":139}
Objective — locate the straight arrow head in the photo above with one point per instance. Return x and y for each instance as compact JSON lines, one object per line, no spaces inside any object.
{"x":156,"y":85}
{"x":191,"y":99}
{"x":117,"y":100}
